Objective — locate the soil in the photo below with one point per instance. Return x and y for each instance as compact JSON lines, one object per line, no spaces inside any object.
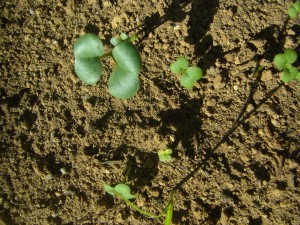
{"x":234,"y":136}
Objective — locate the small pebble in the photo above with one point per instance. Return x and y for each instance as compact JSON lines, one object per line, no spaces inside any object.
{"x":31,"y":11}
{"x":63,"y":171}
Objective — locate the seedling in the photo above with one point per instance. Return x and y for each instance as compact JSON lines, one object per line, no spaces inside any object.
{"x":189,"y":75}
{"x":294,"y":10}
{"x":123,"y":191}
{"x":165,"y":155}
{"x":256,"y":70}
{"x":284,"y":62}
{"x":124,"y":81}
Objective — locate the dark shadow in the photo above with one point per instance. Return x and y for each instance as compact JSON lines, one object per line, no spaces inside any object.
{"x":214,"y":212}
{"x":261,"y":171}
{"x":175,"y":12}
{"x":275,"y":38}
{"x":185,"y":124}
{"x":102,"y":123}
{"x":200,"y":18}
{"x":141,"y":168}
{"x":255,"y":221}
{"x":241,"y":118}
{"x":91,"y":28}
{"x":49,"y":164}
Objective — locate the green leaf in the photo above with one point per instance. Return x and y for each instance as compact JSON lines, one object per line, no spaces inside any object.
{"x":287,"y":76}
{"x":123,"y":84}
{"x":88,"y":46}
{"x":124,"y":190}
{"x":88,"y":70}
{"x":190,"y":76}
{"x":186,"y":82}
{"x":109,"y":189}
{"x":124,"y":36}
{"x":292,"y":11}
{"x":169,"y":212}
{"x":280,"y":61}
{"x":293,"y":71}
{"x":195,"y":73}
{"x":87,"y":51}
{"x":124,"y":81}
{"x":298,"y":76}
{"x":133,"y":38}
{"x":179,"y":65}
{"x":290,"y":55}
{"x":297,"y":6}
{"x":165,"y":155}
{"x":115,"y":41}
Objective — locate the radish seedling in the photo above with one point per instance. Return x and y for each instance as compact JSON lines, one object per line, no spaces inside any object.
{"x":284,"y":62}
{"x":123,"y":191}
{"x":124,"y":80}
{"x":189,"y":75}
{"x":165,"y":155}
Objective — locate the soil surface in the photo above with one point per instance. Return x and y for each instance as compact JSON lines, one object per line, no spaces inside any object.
{"x":234,"y":136}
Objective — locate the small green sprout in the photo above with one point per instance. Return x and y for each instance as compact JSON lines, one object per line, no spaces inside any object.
{"x":189,"y":75}
{"x":124,"y":81}
{"x":284,"y":62}
{"x":294,"y":10}
{"x":123,"y":191}
{"x":255,"y":70}
{"x":165,"y":155}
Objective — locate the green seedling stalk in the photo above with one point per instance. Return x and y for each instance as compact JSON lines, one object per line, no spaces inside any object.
{"x":122,"y":191}
{"x":135,"y":207}
{"x":168,"y":210}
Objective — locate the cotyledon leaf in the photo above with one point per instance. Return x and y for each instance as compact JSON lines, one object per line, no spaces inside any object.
{"x":87,"y":50}
{"x":124,"y":81}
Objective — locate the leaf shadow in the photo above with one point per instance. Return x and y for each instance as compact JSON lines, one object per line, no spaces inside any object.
{"x":185,"y":124}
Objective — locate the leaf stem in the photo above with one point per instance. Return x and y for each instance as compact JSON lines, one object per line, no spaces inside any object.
{"x":134,"y":206}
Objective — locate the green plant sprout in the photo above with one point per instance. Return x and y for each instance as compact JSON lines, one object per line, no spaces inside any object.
{"x":189,"y":75}
{"x":284,"y":62}
{"x":165,"y":155}
{"x":123,"y":191}
{"x":294,"y":10}
{"x":256,"y":70}
{"x":124,"y":81}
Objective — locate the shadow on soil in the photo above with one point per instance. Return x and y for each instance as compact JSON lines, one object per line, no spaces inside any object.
{"x":275,"y":40}
{"x":200,"y":17}
{"x":185,"y":124}
{"x":211,"y":155}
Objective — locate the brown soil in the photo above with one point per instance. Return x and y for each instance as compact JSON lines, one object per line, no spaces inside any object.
{"x":235,"y":136}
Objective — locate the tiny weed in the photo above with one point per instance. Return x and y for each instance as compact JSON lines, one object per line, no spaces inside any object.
{"x":165,"y":155}
{"x":189,"y":75}
{"x":124,"y":81}
{"x":284,"y":62}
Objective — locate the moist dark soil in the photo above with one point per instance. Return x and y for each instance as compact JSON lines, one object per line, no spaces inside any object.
{"x":234,"y":136}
